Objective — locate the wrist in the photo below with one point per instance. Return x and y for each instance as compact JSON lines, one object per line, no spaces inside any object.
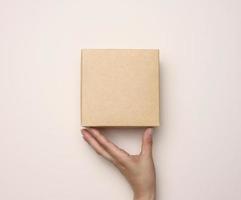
{"x":146,"y":196}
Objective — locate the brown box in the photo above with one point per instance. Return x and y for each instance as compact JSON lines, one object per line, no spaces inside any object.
{"x":119,"y":87}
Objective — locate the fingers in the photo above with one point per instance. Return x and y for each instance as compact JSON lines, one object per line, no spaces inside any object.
{"x":117,"y":153}
{"x":95,"y":145}
{"x":147,"y":142}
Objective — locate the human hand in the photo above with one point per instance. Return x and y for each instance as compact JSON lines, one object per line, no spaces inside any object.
{"x":138,"y":169}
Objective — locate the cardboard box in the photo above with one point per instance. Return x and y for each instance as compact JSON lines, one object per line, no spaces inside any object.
{"x":119,"y":87}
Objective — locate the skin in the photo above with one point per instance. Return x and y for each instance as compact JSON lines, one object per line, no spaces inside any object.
{"x":138,"y":170}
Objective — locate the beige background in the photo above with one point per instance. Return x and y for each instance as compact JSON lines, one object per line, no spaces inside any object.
{"x":197,"y":149}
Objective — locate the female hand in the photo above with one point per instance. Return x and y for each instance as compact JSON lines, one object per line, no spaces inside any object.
{"x":138,"y":169}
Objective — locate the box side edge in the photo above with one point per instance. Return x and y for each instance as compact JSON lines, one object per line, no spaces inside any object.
{"x":81,"y":82}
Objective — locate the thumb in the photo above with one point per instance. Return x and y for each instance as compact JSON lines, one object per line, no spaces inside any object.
{"x":146,"y":148}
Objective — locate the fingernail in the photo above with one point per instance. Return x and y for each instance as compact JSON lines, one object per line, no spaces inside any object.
{"x":149,"y":131}
{"x":92,"y":129}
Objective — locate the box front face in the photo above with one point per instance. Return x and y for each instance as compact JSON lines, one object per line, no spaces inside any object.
{"x":119,"y":87}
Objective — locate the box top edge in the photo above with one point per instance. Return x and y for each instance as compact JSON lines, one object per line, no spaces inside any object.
{"x":117,"y":49}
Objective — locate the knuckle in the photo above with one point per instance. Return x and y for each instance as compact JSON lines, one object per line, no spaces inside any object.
{"x":98,"y":152}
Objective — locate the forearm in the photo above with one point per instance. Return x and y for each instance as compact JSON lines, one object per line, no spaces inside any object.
{"x":145,"y":198}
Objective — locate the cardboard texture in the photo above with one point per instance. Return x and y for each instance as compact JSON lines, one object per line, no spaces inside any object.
{"x":119,"y":87}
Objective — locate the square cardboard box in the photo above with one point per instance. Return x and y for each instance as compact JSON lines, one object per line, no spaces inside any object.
{"x":120,"y":87}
